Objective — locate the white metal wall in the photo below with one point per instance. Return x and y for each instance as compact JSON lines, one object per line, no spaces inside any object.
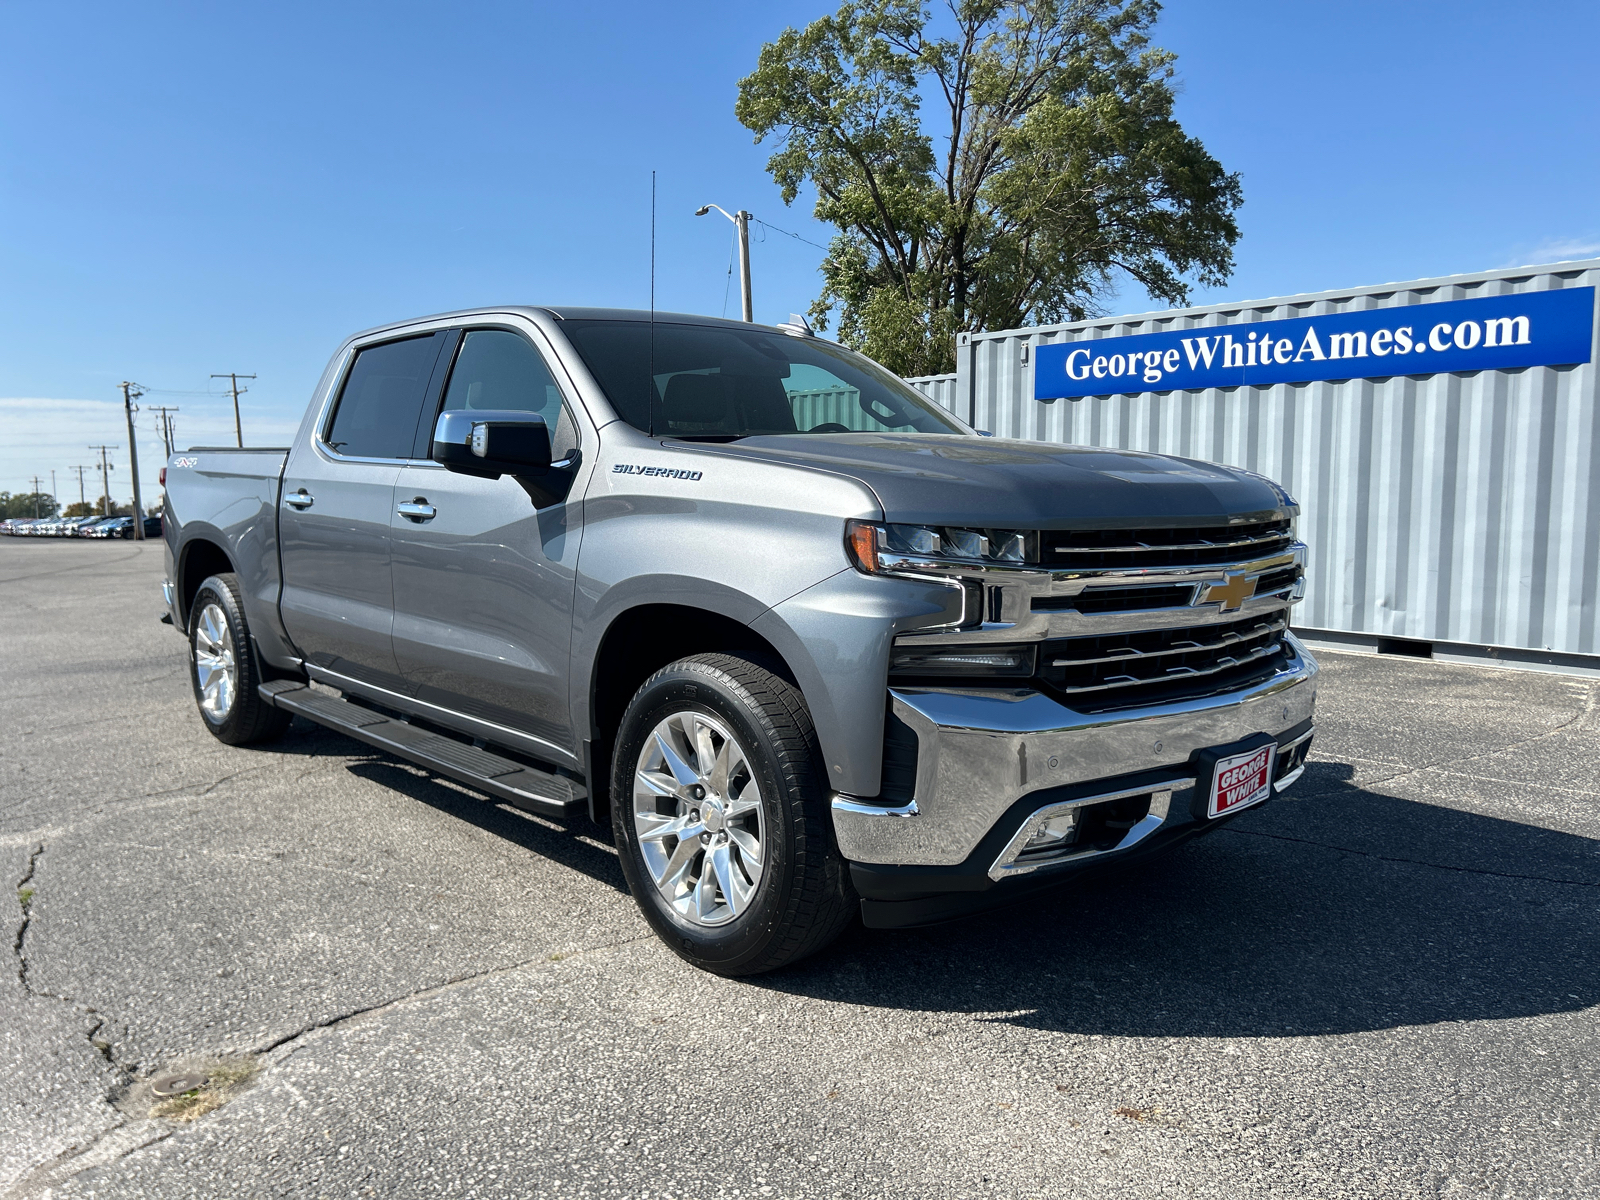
{"x":1457,"y":507}
{"x":941,"y":389}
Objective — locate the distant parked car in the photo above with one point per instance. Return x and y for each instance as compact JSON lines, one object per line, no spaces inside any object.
{"x":100,"y":527}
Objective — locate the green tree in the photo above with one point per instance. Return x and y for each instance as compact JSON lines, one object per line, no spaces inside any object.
{"x":1057,"y":164}
{"x":23,"y":504}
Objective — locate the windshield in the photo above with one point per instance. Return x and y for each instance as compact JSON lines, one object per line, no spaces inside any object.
{"x":718,"y":383}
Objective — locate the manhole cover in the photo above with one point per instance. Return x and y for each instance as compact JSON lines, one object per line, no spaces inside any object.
{"x":176,"y":1085}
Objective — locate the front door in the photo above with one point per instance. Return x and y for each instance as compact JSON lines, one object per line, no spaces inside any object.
{"x":483,"y":576}
{"x":337,"y":502}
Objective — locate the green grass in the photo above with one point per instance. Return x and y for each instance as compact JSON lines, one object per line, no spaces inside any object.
{"x":223,"y":1081}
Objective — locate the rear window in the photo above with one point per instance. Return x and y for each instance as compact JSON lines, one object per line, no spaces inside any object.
{"x":382,"y":398}
{"x":718,"y":383}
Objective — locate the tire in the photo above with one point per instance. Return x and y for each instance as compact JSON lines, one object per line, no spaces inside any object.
{"x":223,"y":670}
{"x":697,"y":891}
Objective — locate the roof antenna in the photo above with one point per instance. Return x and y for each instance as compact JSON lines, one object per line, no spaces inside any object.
{"x":650,"y":419}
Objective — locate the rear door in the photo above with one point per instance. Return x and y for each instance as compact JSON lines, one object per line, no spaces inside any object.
{"x":484,"y":572}
{"x":337,"y":501}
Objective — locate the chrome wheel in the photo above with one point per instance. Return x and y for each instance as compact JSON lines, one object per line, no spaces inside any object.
{"x":214,"y":667}
{"x":697,"y":814}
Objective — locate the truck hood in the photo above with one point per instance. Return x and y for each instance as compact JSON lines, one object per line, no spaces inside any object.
{"x":941,"y":479}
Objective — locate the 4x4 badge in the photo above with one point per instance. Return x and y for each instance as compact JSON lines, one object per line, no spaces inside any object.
{"x":1236,"y":587}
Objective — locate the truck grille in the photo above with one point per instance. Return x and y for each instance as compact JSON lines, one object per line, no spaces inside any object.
{"x":1160,"y":665}
{"x":1097,"y":671}
{"x":1113,"y":549}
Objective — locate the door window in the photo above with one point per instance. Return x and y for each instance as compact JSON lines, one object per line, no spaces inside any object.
{"x":498,"y":369}
{"x":382,"y":398}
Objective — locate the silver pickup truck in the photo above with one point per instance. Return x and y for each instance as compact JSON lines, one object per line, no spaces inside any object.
{"x":805,"y":643}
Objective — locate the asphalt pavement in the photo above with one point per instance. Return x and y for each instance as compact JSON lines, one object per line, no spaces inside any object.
{"x":1383,"y":984}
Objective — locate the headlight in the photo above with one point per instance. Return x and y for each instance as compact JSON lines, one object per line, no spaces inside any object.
{"x":882,"y":549}
{"x":961,"y":660}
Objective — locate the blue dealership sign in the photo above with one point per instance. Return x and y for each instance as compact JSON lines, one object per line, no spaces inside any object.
{"x":1528,"y":329}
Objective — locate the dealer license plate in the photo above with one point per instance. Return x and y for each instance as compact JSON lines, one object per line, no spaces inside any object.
{"x":1241,"y":780}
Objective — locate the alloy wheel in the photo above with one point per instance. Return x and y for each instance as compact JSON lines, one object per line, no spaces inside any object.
{"x":215,"y":669}
{"x":698,"y":816}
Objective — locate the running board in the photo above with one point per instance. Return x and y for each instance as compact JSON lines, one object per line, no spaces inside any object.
{"x":526,"y":787}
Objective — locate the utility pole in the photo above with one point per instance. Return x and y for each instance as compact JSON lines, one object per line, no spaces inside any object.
{"x":129,"y":391}
{"x":165,"y":423}
{"x":105,"y":477}
{"x":233,"y":378}
{"x":35,"y":497}
{"x":741,"y":222}
{"x":82,"y":499}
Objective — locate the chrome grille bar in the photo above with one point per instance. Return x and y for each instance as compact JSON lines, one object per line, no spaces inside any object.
{"x":1130,"y":654}
{"x":1204,"y":544}
{"x":1227,"y":663}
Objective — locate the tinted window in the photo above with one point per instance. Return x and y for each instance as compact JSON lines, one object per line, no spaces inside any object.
{"x":720,"y":382}
{"x":382,"y":399}
{"x":500,"y":369}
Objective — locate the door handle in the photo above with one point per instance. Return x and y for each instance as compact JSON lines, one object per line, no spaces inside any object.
{"x":418,"y":509}
{"x":300,"y":499}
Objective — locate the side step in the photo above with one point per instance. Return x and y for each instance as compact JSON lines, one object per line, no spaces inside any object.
{"x":526,"y":787}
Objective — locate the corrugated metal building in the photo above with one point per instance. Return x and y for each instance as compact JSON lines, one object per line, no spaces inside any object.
{"x":1456,"y":511}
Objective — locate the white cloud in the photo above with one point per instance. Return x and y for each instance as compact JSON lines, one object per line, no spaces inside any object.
{"x":1554,"y":250}
{"x":44,"y":435}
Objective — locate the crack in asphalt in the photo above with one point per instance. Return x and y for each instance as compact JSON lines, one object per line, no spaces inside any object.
{"x":101,"y":1046}
{"x":428,"y":993}
{"x":195,"y":790}
{"x":27,"y":917}
{"x":146,"y":1132}
{"x":75,"y":1160}
{"x":1414,"y":862}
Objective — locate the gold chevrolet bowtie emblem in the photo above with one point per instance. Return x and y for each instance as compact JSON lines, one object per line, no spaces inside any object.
{"x":1231,"y":593}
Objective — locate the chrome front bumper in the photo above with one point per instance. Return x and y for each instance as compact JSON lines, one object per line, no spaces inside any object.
{"x":979,"y":753}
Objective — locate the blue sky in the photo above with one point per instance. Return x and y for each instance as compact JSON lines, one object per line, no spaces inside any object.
{"x":195,"y":188}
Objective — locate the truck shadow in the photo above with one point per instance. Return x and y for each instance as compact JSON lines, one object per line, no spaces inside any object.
{"x":546,"y":837}
{"x":1340,"y":910}
{"x":571,"y":844}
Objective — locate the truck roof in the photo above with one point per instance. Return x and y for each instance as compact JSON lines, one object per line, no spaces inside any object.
{"x":568,"y":313}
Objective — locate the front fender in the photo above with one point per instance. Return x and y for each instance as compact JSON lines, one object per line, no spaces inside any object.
{"x":836,"y":636}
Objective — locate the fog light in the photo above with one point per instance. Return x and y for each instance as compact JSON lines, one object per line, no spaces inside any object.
{"x":1057,"y":831}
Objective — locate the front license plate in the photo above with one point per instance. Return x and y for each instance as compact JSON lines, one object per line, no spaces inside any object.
{"x":1241,"y":780}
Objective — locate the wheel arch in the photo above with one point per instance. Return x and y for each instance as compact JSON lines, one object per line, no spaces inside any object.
{"x":199,"y":558}
{"x":638,"y":642}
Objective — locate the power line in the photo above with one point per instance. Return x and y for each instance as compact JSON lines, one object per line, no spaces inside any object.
{"x":786,"y":233}
{"x":164,"y":424}
{"x":733,"y":244}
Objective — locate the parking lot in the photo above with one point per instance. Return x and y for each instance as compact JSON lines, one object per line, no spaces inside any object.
{"x":1382,"y":984}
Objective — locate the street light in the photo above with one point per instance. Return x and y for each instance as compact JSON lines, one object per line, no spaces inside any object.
{"x":741,"y":221}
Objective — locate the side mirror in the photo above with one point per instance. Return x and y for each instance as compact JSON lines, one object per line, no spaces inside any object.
{"x":491,"y":443}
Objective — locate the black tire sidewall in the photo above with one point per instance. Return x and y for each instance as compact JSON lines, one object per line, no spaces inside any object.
{"x":698,"y":687}
{"x":237,"y":726}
